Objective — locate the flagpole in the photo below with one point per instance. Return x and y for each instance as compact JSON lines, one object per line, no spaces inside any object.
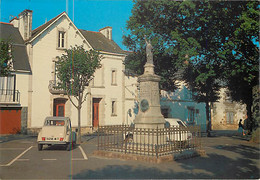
{"x":73,"y":11}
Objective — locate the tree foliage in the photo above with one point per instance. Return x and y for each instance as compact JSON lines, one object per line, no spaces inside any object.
{"x":5,"y":58}
{"x":75,"y":69}
{"x":241,"y":67}
{"x":215,"y":42}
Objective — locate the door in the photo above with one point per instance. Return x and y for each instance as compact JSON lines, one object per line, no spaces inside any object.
{"x":10,"y":120}
{"x":95,"y":109}
{"x":59,"y":107}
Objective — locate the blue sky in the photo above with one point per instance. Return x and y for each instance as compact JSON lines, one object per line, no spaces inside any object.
{"x":90,"y":15}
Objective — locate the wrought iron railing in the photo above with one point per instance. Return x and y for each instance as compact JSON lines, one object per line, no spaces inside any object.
{"x":9,"y":96}
{"x":151,"y":142}
{"x":54,"y":89}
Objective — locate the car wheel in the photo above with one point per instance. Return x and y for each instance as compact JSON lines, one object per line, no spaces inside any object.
{"x":40,"y":147}
{"x":69,"y":146}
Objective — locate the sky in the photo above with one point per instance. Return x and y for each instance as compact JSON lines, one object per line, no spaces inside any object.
{"x":89,"y":15}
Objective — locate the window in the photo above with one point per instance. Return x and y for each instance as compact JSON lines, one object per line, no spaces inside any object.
{"x":113,"y":108}
{"x":7,"y":84}
{"x":191,"y":114}
{"x":113,"y":77}
{"x":230,"y":117}
{"x":54,"y":123}
{"x":61,"y":39}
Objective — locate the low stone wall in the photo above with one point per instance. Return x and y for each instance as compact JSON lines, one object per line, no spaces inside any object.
{"x":152,"y":159}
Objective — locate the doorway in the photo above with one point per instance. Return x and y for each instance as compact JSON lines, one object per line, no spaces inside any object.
{"x":95,"y":112}
{"x":59,"y":107}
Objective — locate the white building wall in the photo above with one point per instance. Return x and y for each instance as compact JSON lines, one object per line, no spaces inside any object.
{"x":131,"y":99}
{"x":45,"y":52}
{"x":22,"y":80}
{"x":220,"y":112}
{"x":108,"y":91}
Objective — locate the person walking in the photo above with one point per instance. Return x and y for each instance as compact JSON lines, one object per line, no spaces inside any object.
{"x":241,"y":128}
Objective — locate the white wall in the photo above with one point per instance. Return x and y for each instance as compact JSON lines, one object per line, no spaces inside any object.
{"x":131,"y":98}
{"x":44,"y":53}
{"x":220,"y":109}
{"x":22,"y":85}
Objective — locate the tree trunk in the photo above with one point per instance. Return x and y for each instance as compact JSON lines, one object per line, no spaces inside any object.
{"x":250,"y":121}
{"x":79,"y":127}
{"x":207,"y":118}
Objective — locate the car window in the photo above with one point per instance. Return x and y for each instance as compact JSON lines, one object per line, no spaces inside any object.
{"x":54,"y":123}
{"x":180,"y":124}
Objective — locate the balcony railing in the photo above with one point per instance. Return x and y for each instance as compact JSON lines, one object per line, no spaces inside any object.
{"x":54,"y":89}
{"x":9,"y":96}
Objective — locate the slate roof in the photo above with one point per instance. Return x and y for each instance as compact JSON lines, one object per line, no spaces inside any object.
{"x":100,"y":43}
{"x":38,"y":30}
{"x":97,"y":40}
{"x":20,"y":57}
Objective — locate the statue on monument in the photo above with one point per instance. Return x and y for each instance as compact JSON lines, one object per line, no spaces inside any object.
{"x":149,"y":53}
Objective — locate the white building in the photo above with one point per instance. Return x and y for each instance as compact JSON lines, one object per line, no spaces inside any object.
{"x":226,"y":114}
{"x":108,"y":101}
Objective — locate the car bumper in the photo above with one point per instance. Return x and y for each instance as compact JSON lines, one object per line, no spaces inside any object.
{"x":53,"y":142}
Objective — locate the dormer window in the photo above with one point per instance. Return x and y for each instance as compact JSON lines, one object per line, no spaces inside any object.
{"x":61,"y":39}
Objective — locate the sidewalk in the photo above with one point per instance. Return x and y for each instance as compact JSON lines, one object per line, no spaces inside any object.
{"x":11,"y":137}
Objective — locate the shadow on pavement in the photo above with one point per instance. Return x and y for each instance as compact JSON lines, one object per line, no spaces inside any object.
{"x":221,"y":166}
{"x":242,"y":162}
{"x":213,"y":166}
{"x":7,"y":138}
{"x":129,"y":172}
{"x":244,"y":150}
{"x":58,"y":147}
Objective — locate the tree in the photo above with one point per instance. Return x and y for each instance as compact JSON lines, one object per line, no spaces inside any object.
{"x":176,"y":29}
{"x":204,"y":86}
{"x":160,"y":22}
{"x":5,"y":57}
{"x":197,"y":36}
{"x":75,"y":69}
{"x":241,"y":68}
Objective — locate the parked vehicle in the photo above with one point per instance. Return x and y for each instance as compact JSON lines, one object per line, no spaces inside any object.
{"x":181,"y":134}
{"x":56,"y":131}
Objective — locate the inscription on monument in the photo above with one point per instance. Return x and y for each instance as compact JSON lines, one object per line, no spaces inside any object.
{"x":145,"y":90}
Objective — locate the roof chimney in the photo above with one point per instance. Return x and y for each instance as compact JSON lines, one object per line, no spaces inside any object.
{"x":24,"y":23}
{"x":107,"y":32}
{"x":15,"y":22}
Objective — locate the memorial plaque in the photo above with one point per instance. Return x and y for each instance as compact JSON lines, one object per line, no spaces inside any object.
{"x":144,"y":104}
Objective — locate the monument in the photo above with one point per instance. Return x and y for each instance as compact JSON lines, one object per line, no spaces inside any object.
{"x":149,"y":115}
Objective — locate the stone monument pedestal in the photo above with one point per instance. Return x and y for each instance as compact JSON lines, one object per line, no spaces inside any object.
{"x":149,"y":115}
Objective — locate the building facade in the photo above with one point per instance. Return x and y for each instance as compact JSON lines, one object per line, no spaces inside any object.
{"x":14,"y":87}
{"x":226,"y":114}
{"x":106,"y":100}
{"x":179,"y":105}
